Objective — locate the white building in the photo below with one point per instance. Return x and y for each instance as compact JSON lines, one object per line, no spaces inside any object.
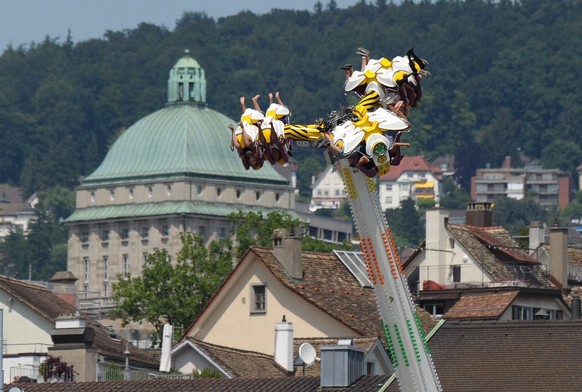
{"x":413,"y":178}
{"x":328,"y":190}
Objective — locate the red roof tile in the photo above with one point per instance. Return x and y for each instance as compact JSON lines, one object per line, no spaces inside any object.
{"x":481,"y":306}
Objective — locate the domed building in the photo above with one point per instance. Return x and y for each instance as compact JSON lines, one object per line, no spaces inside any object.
{"x":172,"y":171}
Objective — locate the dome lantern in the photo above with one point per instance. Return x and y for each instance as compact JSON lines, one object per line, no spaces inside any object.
{"x":187,"y":83}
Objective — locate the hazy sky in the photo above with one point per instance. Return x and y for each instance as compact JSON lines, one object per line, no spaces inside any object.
{"x":24,"y":21}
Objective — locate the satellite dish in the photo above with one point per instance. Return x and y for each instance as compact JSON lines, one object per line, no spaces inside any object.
{"x":307,"y":354}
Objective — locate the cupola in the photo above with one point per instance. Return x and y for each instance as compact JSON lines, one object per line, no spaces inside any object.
{"x":187,"y":83}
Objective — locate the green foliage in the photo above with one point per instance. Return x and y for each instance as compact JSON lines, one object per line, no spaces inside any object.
{"x":253,"y":228}
{"x":54,"y":367}
{"x":452,"y":196}
{"x":515,"y":215}
{"x":487,"y":59}
{"x":405,"y":224}
{"x":206,"y":373}
{"x":173,"y":292}
{"x":310,"y":244}
{"x":423,"y":204}
{"x":42,"y":251}
{"x":574,"y":209}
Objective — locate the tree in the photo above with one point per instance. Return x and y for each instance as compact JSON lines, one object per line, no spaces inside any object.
{"x":173,"y":292}
{"x":252,"y":228}
{"x":453,"y":196}
{"x":405,"y":224}
{"x":515,"y":215}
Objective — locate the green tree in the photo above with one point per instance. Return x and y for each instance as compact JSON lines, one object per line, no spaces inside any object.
{"x":405,"y":224}
{"x":515,"y":215}
{"x":173,"y":292}
{"x":452,"y":196}
{"x":252,"y":228}
{"x":308,"y":168}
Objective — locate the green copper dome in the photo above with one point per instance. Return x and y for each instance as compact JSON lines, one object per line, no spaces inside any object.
{"x":185,"y":138}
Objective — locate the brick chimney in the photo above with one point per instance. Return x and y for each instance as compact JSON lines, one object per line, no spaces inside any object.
{"x":287,"y":251}
{"x":284,"y":344}
{"x":479,"y":214}
{"x":559,"y":255}
{"x":62,"y":284}
{"x":507,"y":162}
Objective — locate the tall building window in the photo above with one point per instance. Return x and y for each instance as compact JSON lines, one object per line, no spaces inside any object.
{"x":125,"y":266}
{"x":105,"y":268}
{"x":86,"y":269}
{"x":165,"y":231}
{"x":145,"y":258}
{"x":145,"y":231}
{"x":456,"y":273}
{"x":85,"y":237}
{"x":259,"y":304}
{"x":125,"y":234}
{"x":104,"y":235}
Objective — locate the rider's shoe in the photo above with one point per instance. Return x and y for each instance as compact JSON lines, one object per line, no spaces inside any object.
{"x":362,"y":52}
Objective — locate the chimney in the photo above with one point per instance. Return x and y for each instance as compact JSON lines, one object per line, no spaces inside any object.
{"x":341,"y":365}
{"x":537,"y":235}
{"x":437,"y":237}
{"x":284,"y":344}
{"x":559,"y":255}
{"x":479,"y":214}
{"x":62,"y":284}
{"x":576,"y":307}
{"x":287,"y":250}
{"x":73,"y":341}
{"x":507,"y":162}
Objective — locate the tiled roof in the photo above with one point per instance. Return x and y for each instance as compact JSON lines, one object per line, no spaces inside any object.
{"x":481,"y":306}
{"x":50,"y":306}
{"x":528,"y":356}
{"x":300,"y":384}
{"x":331,"y":287}
{"x":496,"y":251}
{"x":241,"y":363}
{"x":414,"y":163}
{"x":575,"y":255}
{"x":498,"y":238}
{"x":37,"y":297}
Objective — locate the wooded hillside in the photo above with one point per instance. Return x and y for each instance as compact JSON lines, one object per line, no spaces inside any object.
{"x":505,"y":79}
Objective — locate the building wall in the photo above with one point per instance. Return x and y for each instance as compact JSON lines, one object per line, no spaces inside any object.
{"x":25,"y":331}
{"x":392,"y":193}
{"x":443,"y":252}
{"x":86,"y":240}
{"x":232,"y":323}
{"x":547,"y":186}
{"x":328,"y":191}
{"x":548,"y":303}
